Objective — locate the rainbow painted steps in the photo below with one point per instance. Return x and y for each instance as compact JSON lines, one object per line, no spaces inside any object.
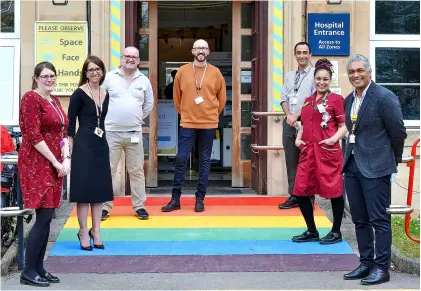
{"x":234,"y":234}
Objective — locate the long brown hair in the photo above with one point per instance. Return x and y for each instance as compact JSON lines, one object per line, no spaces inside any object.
{"x":97,"y":61}
{"x":38,"y":69}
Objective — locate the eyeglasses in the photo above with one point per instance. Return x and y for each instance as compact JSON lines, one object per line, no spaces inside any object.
{"x":130,"y":57}
{"x":96,"y":70}
{"x":200,"y":48}
{"x":46,"y":77}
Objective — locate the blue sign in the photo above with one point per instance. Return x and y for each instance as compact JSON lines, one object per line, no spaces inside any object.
{"x":329,"y":34}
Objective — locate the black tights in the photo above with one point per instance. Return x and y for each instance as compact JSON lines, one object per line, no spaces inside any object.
{"x":306,"y":208}
{"x":37,"y":243}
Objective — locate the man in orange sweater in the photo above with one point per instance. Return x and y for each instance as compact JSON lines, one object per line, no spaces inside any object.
{"x":199,"y":97}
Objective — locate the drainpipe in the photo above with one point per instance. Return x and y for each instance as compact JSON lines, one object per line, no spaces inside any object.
{"x":88,"y":19}
{"x":305,"y":20}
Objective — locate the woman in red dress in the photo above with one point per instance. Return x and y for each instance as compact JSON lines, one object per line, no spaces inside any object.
{"x":320,"y":162}
{"x":42,"y":163}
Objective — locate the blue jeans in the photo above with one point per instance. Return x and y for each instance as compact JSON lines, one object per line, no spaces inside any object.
{"x":185,"y":144}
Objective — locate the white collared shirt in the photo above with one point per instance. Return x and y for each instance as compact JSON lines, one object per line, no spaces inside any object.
{"x":129,"y":103}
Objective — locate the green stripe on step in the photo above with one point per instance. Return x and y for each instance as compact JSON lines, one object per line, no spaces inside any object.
{"x":189,"y":234}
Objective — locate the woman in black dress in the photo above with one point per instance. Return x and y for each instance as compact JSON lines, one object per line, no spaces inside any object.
{"x":90,"y":176}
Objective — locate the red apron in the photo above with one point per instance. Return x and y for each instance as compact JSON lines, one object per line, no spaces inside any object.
{"x":320,"y":165}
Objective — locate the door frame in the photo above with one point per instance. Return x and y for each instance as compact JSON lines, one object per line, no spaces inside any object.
{"x":242,"y":170}
{"x":133,"y":34}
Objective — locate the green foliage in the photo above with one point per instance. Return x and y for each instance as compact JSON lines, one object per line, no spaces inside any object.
{"x":406,"y":247}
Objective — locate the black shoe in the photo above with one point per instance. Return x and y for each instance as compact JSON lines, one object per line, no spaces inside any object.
{"x":331,"y":238}
{"x":200,"y":206}
{"x":290,"y":203}
{"x":105,"y":214}
{"x":360,"y":272}
{"x":171,"y":206}
{"x":38,"y":281}
{"x":101,"y":246}
{"x":89,"y":248}
{"x":306,"y":237}
{"x":142,"y":214}
{"x":377,"y":276}
{"x":51,"y":278}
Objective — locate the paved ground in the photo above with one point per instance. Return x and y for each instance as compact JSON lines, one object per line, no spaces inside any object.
{"x":214,"y":281}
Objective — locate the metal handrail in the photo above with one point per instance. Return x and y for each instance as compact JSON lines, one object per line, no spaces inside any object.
{"x":9,"y":159}
{"x":8,"y":211}
{"x":256,"y":148}
{"x":269,"y":113}
{"x":266,"y":148}
{"x":14,"y":211}
{"x":399,"y":209}
{"x":272,"y":113}
{"x":407,"y":159}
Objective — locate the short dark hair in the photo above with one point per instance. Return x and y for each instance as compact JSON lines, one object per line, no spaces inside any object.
{"x":97,"y":61}
{"x":38,"y":69}
{"x":302,"y":43}
{"x":173,"y":73}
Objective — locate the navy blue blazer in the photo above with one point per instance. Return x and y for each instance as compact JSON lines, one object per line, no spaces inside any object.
{"x":379,"y":133}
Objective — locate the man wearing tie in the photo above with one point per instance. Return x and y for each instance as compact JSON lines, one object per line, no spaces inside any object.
{"x":375,"y":145}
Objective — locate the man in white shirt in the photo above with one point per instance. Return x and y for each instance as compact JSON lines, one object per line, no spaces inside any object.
{"x":131,"y":101}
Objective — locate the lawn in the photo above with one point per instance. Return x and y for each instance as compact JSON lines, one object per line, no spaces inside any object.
{"x":406,"y":247}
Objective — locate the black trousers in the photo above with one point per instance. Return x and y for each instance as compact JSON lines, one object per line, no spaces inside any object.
{"x":368,"y":200}
{"x":292,"y":153}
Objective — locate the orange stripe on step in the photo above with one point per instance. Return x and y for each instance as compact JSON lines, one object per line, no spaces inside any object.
{"x":214,"y":211}
{"x":209,"y":201}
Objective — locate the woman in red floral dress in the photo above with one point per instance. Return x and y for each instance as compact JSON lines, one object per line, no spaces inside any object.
{"x":320,"y":162}
{"x":43,"y":162}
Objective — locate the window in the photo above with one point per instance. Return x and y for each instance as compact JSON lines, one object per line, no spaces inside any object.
{"x":10,"y":19}
{"x":9,"y":81}
{"x":395,"y":52}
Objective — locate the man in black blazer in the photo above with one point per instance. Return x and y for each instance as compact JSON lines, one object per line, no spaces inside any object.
{"x":374,"y":148}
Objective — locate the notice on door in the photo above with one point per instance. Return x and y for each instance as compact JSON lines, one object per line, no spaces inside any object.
{"x":167,"y":128}
{"x":65,"y":45}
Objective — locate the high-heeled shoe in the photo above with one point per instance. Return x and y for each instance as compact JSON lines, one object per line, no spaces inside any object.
{"x":101,"y":246}
{"x":82,"y":247}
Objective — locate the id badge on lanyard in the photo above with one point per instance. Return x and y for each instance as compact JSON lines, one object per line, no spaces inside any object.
{"x":98,"y":110}
{"x":199,"y":99}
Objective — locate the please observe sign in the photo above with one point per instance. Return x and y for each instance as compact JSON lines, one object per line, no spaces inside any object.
{"x":65,"y":45}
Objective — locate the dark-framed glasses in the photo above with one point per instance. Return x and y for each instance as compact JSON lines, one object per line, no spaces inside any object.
{"x":96,"y":70}
{"x":130,"y":57}
{"x":46,"y":77}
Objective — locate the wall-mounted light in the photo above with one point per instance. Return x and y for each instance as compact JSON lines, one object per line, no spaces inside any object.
{"x":60,"y":2}
{"x":334,"y":2}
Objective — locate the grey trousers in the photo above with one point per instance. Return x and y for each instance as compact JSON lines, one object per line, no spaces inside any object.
{"x":292,"y":153}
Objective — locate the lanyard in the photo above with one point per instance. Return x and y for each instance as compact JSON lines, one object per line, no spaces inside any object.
{"x":98,"y":109}
{"x":57,"y":110}
{"x":198,"y":88}
{"x":356,"y":109}
{"x":297,"y":79}
{"x":323,"y":101}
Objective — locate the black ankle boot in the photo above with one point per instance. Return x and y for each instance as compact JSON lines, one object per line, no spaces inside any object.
{"x":200,"y":206}
{"x":171,"y":206}
{"x":306,"y":236}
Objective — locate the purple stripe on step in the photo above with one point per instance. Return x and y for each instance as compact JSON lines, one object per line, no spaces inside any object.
{"x":191,"y":264}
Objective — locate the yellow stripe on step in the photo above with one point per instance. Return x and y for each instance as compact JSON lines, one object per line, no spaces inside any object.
{"x":203,"y":222}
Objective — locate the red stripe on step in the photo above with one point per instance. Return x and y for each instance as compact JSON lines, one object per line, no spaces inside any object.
{"x":215,"y":210}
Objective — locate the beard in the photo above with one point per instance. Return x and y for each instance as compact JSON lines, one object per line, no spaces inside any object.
{"x":200,"y":58}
